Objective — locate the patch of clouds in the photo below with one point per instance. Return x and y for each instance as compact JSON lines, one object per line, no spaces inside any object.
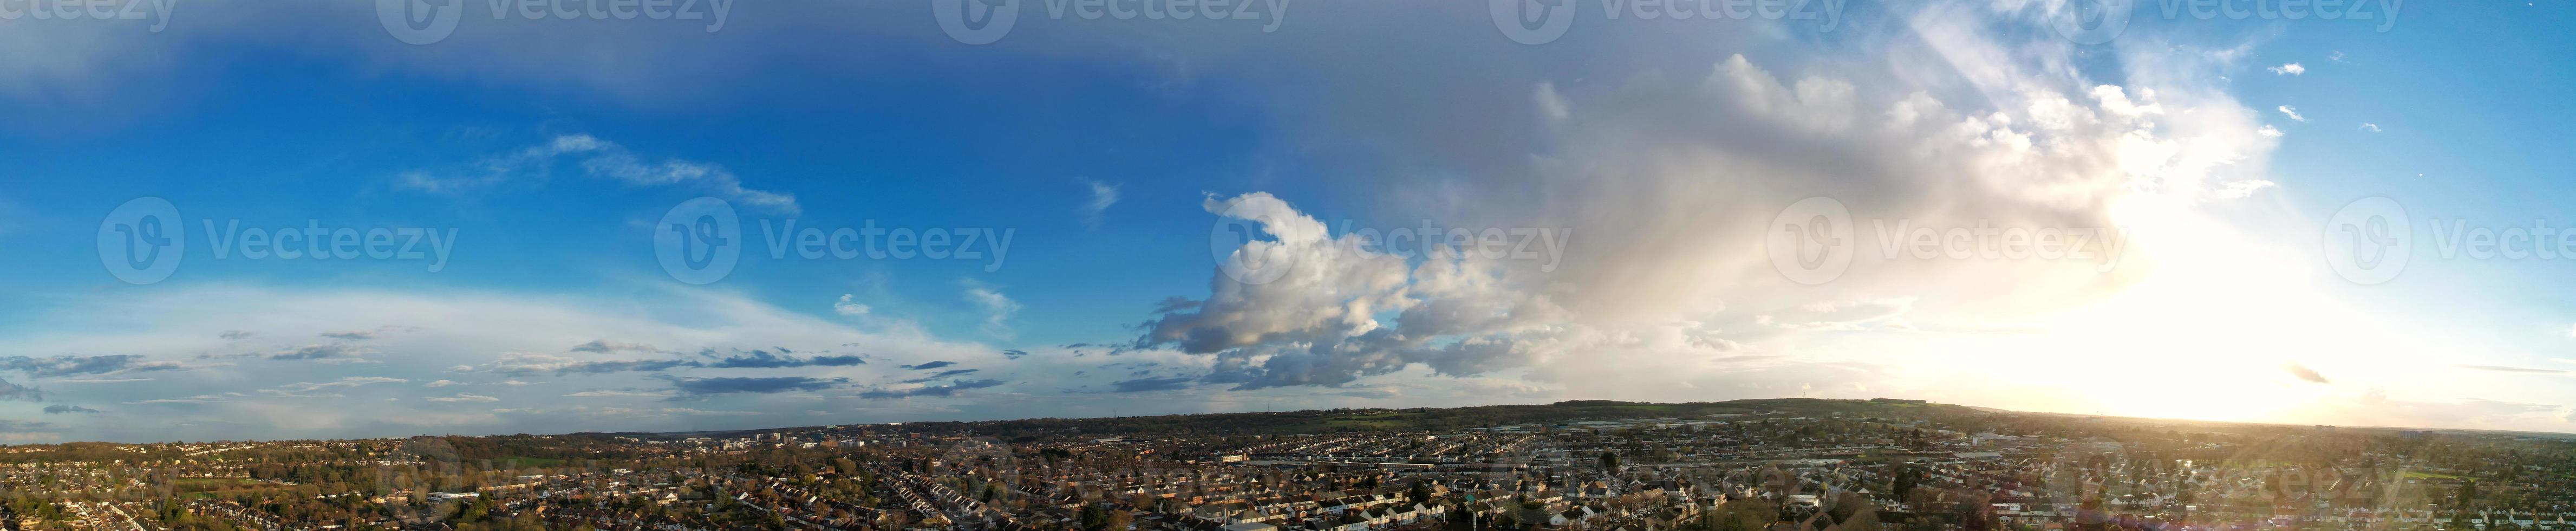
{"x":2290,"y":69}
{"x":11,"y":391}
{"x":848,"y":306}
{"x":761,"y":359}
{"x":729,"y":385}
{"x":596,"y":158}
{"x":351,"y":335}
{"x":1102,"y":196}
{"x":1153,"y":384}
{"x":997,"y":308}
{"x":942,"y":375}
{"x":323,"y":352}
{"x":950,"y":389}
{"x":603,"y":346}
{"x":62,"y":366}
{"x":2243,"y":189}
{"x":2304,"y":373}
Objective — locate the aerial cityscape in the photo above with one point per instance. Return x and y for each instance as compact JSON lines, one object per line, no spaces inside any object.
{"x":1750,"y":465}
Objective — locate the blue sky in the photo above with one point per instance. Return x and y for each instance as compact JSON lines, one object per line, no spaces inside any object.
{"x":1663,"y":155}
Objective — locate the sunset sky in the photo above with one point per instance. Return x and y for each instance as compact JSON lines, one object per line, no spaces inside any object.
{"x":2309,"y":220}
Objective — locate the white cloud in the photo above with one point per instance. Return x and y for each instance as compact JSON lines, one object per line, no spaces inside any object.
{"x":2269,"y":131}
{"x":2292,"y":113}
{"x":462,"y":398}
{"x":2244,"y":188}
{"x":1102,"y":196}
{"x":2291,"y":69}
{"x":600,"y":159}
{"x":848,"y":306}
{"x":2371,"y":127}
{"x":996,"y":306}
{"x":481,"y":331}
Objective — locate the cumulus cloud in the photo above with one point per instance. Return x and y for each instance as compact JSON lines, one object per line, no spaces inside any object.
{"x":2293,"y":113}
{"x":1667,"y":181}
{"x":2370,"y":127}
{"x":2290,"y":69}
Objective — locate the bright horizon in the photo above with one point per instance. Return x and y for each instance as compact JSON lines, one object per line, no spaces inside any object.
{"x":307,"y":219}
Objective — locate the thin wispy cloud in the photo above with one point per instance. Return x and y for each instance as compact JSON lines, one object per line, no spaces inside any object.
{"x":1102,"y":196}
{"x":596,"y":158}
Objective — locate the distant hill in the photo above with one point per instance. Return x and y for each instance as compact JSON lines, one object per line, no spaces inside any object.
{"x":1432,"y":419}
